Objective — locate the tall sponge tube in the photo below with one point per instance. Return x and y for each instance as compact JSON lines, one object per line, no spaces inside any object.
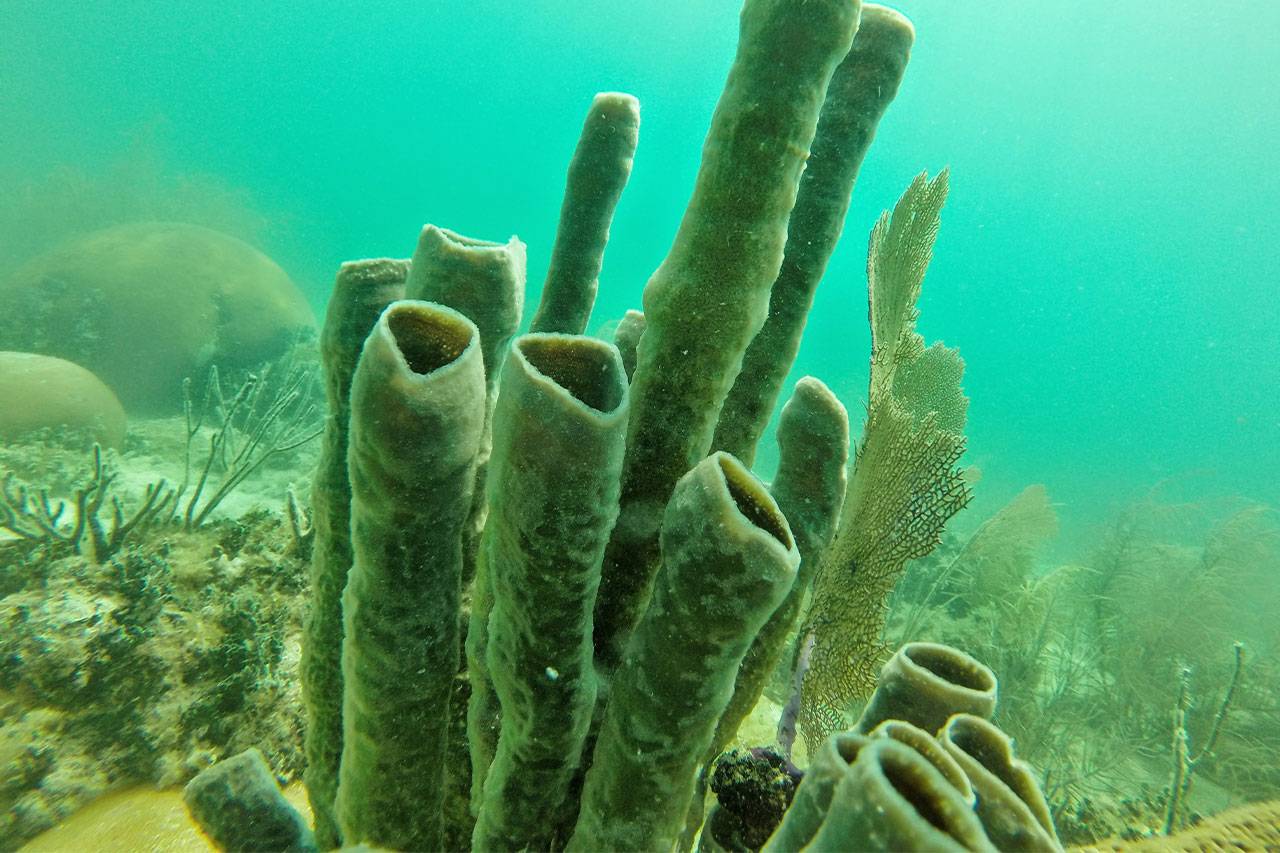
{"x":558,"y":434}
{"x":710,"y":295}
{"x":729,"y":558}
{"x":360,"y":293}
{"x":417,"y":413}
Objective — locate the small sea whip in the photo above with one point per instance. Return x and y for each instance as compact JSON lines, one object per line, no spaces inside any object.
{"x":791,"y":711}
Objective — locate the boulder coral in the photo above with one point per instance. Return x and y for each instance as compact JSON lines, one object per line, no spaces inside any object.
{"x":41,"y":392}
{"x":146,"y":305}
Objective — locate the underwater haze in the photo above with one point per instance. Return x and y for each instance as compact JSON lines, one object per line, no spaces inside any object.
{"x":1109,"y":257}
{"x":239,"y":540}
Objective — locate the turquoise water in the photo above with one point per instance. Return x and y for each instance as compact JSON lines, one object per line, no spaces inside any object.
{"x":1109,"y":254}
{"x":1108,"y":268}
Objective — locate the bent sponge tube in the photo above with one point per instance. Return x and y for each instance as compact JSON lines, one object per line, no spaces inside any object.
{"x":728,"y":560}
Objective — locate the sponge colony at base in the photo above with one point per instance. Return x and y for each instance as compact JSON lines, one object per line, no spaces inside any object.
{"x":149,"y":304}
{"x":40,"y":392}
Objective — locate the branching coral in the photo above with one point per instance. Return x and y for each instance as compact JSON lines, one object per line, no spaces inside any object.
{"x":34,"y":517}
{"x":272,"y":413}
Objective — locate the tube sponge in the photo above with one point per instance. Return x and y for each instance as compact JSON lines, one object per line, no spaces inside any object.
{"x":827,"y":766}
{"x":813,"y":445}
{"x":1010,"y":803}
{"x":481,"y":279}
{"x":597,"y":175}
{"x":627,"y":339}
{"x":925,"y":683}
{"x":862,"y":87}
{"x":485,"y":281}
{"x":417,"y":413}
{"x":710,"y":295}
{"x":360,"y":293}
{"x":728,"y":560}
{"x":558,"y":433}
{"x":240,"y":807}
{"x":928,"y":747}
{"x":892,"y":798}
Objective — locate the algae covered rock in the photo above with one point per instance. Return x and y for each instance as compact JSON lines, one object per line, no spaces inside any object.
{"x":146,"y":305}
{"x":144,"y":669}
{"x":41,"y":392}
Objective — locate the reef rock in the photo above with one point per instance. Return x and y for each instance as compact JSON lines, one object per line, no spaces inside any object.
{"x":41,"y":392}
{"x":146,"y":305}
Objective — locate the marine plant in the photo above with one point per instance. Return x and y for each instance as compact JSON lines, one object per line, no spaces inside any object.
{"x":1130,"y":643}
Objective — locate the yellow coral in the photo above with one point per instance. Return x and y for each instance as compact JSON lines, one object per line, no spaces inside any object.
{"x":1255,"y":827}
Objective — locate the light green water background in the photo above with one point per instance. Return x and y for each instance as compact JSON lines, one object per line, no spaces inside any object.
{"x":1109,"y":262}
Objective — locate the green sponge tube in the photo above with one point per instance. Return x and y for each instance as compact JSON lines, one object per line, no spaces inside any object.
{"x":813,"y":445}
{"x":362,"y":290}
{"x":861,"y":89}
{"x":483,"y":280}
{"x":240,"y":807}
{"x":813,"y":798}
{"x":558,"y":433}
{"x":710,"y":295}
{"x":597,"y":175}
{"x":728,"y":560}
{"x":486,"y":282}
{"x":929,"y":747}
{"x":813,"y":456}
{"x":417,"y":412}
{"x":925,"y":683}
{"x":627,"y":339}
{"x":892,"y":798}
{"x":1010,"y":803}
